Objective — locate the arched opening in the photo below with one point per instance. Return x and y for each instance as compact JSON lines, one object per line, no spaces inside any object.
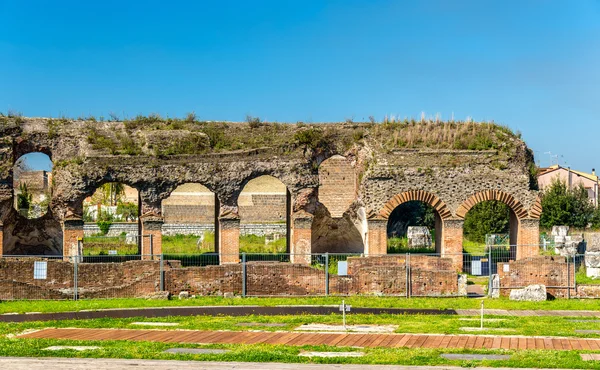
{"x":264,"y":211}
{"x":189,"y":220}
{"x":490,"y":223}
{"x":32,"y":184}
{"x":490,"y":231}
{"x":110,"y":218}
{"x":414,"y":227}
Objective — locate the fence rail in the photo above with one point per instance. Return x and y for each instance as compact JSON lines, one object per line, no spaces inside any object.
{"x":403,"y":275}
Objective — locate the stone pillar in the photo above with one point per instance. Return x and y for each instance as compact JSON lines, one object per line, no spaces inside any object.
{"x":151,"y":236}
{"x":376,"y":237}
{"x":301,"y":247}
{"x":72,"y":238}
{"x":452,"y":245}
{"x":229,"y":240}
{"x":528,"y":239}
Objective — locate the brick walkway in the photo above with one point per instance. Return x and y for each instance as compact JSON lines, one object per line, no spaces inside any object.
{"x":331,"y":339}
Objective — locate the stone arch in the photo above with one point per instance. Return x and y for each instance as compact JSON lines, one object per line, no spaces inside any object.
{"x":514,"y":204}
{"x":416,"y":195}
{"x":189,"y":212}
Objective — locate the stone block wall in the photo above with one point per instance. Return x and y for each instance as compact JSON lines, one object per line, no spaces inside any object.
{"x":116,"y":229}
{"x":188,"y":213}
{"x":187,"y":229}
{"x":262,"y":208}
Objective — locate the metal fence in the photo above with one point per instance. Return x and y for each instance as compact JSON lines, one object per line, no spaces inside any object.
{"x":403,"y":275}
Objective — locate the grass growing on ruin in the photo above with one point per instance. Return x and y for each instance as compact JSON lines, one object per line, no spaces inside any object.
{"x":10,"y":346}
{"x":357,"y":301}
{"x":100,"y":245}
{"x":257,"y":244}
{"x":582,"y":279}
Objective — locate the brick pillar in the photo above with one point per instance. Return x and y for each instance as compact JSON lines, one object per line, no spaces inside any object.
{"x":72,"y":238}
{"x":229,"y":240}
{"x":1,"y":239}
{"x":452,"y":245}
{"x":528,"y":238}
{"x":301,"y":247}
{"x":376,"y":237}
{"x":151,"y":236}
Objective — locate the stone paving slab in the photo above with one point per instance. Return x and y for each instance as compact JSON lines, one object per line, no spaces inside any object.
{"x":197,"y":351}
{"x":462,"y":341}
{"x":473,"y":329}
{"x":73,"y":348}
{"x":150,"y":323}
{"x":265,"y":324}
{"x":590,"y":356}
{"x":587,"y":331}
{"x":594,"y":321}
{"x":348,"y":328}
{"x":476,"y":357}
{"x":331,"y":354}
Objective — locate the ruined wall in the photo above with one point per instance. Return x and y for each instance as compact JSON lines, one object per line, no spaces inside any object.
{"x":155,"y":156}
{"x":551,"y":271}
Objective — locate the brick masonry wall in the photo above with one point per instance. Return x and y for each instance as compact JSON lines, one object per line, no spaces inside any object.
{"x":547,"y":270}
{"x":337,"y":185}
{"x":229,"y":241}
{"x":188,"y":213}
{"x":95,"y":280}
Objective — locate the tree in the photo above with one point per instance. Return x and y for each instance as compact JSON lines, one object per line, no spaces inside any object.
{"x":128,"y":210}
{"x":109,"y":194}
{"x":24,"y":198}
{"x":413,"y":213}
{"x":561,"y":206}
{"x":489,"y":217}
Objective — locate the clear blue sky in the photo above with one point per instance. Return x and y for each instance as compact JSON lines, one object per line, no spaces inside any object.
{"x":532,"y":65}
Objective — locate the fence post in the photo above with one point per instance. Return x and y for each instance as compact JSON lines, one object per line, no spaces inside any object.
{"x":162,"y":274}
{"x":243,"y":274}
{"x":408,"y":278}
{"x":568,"y":279}
{"x":490,"y":267}
{"x":75,"y":283}
{"x":327,"y":273}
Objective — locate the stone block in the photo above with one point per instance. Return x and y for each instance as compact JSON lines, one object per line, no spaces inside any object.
{"x":462,"y":285}
{"x":572,"y":245}
{"x":560,"y":230}
{"x":418,"y":237}
{"x":495,"y":292}
{"x":593,"y":242}
{"x":532,"y":293}
{"x":183,"y":295}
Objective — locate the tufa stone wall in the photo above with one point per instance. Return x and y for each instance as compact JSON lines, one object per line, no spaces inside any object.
{"x":352,"y":169}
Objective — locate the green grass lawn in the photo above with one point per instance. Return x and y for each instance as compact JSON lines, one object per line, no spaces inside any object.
{"x":100,"y":245}
{"x":11,"y":346}
{"x":356,"y":301}
{"x":188,"y":244}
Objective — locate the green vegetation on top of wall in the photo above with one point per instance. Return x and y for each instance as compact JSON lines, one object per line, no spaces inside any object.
{"x":132,"y":136}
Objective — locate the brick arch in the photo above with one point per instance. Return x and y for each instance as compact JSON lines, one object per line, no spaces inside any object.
{"x":515,"y":205}
{"x":416,"y":195}
{"x":536,"y":209}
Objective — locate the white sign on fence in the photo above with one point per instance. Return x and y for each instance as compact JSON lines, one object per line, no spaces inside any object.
{"x":40,"y":270}
{"x":342,"y":268}
{"x":112,"y":253}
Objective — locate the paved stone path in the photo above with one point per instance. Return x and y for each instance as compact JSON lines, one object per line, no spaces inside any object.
{"x":24,"y":363}
{"x":331,"y":339}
